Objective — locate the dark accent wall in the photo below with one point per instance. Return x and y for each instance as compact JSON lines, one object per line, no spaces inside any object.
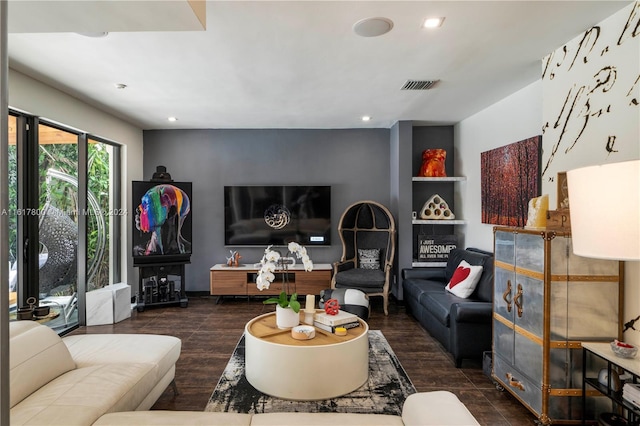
{"x":433,"y":137}
{"x":355,"y":162}
{"x":401,"y":197}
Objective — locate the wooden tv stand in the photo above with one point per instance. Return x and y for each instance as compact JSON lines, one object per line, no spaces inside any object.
{"x":241,"y":280}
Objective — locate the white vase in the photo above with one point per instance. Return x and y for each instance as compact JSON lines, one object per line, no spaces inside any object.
{"x":286,"y":318}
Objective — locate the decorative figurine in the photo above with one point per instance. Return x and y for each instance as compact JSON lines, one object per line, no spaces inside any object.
{"x":537,"y":214}
{"x":331,"y":307}
{"x":234,"y":260}
{"x":436,"y":208}
{"x":433,"y":163}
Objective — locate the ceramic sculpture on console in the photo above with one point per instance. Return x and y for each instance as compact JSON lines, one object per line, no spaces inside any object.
{"x":234,"y":260}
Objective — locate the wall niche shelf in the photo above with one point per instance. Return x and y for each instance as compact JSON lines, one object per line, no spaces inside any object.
{"x":438,"y":222}
{"x":429,"y":264}
{"x":421,"y":184}
{"x":439,"y":179}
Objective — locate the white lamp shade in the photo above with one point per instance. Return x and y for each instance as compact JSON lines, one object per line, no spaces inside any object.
{"x":604,"y":207}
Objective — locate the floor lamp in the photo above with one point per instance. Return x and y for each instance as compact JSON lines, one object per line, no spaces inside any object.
{"x":605,"y":214}
{"x":605,"y":217}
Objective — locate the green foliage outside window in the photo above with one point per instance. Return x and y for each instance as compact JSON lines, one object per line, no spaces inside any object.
{"x":63,"y":195}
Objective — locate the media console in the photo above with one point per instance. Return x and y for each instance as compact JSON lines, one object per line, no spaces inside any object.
{"x":241,"y":280}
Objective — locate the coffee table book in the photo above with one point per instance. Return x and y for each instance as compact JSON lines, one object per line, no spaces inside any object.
{"x":342,"y":317}
{"x":332,"y":328}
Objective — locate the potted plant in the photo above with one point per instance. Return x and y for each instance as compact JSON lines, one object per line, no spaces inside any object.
{"x":287,"y":307}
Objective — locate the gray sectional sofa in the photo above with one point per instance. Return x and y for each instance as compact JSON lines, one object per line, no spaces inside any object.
{"x":462,"y":326}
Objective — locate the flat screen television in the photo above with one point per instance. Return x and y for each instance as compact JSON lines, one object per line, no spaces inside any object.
{"x":161,"y":222}
{"x":260,"y":215}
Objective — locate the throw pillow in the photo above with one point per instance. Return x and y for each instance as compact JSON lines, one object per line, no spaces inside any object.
{"x":369,"y":258}
{"x":464,"y":279}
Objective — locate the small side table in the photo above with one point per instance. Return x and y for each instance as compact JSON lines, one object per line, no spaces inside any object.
{"x":613,"y":363}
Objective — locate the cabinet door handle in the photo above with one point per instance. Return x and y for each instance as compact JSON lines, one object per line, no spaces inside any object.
{"x":506,"y":296}
{"x":518,"y":300}
{"x":514,"y":383}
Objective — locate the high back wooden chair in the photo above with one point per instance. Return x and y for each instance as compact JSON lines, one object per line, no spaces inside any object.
{"x":368,"y":234}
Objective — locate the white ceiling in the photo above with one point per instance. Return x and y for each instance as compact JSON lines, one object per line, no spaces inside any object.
{"x":291,"y":64}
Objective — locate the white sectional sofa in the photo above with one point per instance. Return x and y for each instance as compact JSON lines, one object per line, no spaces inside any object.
{"x":76,"y":379}
{"x":439,"y":408}
{"x":112,"y":379}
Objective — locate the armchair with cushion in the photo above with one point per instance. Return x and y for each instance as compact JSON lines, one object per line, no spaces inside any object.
{"x":367,"y":231}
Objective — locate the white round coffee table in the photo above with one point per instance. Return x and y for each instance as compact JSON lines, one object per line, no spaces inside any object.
{"x":324,"y":367}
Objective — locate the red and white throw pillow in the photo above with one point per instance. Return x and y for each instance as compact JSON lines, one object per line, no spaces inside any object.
{"x":464,"y":279}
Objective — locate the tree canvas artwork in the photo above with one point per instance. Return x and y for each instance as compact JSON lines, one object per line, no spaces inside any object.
{"x":510,"y":177}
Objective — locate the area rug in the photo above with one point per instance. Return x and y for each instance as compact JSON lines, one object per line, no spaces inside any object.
{"x":384,"y":393}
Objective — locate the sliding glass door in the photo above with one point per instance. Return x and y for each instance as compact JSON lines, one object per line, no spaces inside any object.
{"x":64,"y":218}
{"x":11,"y":211}
{"x":58,"y":223}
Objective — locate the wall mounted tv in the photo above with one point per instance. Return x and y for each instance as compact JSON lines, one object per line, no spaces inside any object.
{"x":276,"y":215}
{"x":161,"y":222}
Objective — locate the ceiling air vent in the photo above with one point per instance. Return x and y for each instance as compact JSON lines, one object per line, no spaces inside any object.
{"x":418,"y":84}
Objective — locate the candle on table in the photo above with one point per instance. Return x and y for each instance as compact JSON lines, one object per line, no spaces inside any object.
{"x":311,"y":303}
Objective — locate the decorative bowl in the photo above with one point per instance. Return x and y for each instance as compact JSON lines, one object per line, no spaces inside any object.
{"x":623,"y":350}
{"x":303,"y":332}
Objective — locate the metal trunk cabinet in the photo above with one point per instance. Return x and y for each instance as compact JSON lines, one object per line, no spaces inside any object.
{"x":546,"y":302}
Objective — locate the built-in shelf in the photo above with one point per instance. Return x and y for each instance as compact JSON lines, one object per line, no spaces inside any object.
{"x":428,"y":264}
{"x":439,"y":179}
{"x":438,"y":222}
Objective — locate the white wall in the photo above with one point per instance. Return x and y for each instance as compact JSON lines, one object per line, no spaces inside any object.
{"x":34,"y":97}
{"x":514,"y":118}
{"x":523,"y":114}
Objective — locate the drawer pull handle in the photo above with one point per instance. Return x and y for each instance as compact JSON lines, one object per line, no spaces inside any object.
{"x":518,"y":300}
{"x":506,"y":295}
{"x":514,"y":383}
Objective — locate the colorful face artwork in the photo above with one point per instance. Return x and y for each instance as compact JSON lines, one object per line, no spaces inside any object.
{"x":162,"y":212}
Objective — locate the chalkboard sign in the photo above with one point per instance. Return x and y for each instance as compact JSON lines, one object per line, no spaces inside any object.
{"x":435,"y":248}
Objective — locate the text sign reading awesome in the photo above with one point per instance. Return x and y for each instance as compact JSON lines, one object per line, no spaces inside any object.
{"x":436,"y":248}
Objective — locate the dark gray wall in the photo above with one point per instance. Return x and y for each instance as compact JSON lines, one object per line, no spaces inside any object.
{"x":355,"y":162}
{"x":401,"y":197}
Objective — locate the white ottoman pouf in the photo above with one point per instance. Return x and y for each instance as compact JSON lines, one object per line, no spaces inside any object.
{"x":108,"y":305}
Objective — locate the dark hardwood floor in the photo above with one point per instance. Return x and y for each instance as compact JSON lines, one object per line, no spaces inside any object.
{"x":210,"y":331}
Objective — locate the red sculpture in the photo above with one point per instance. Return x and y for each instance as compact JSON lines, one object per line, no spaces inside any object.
{"x":331,"y":307}
{"x":433,"y":163}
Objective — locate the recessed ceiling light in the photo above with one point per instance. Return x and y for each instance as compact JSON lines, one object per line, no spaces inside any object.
{"x":432,"y":22}
{"x":366,"y":118}
{"x":172,"y":119}
{"x":120,"y":86}
{"x":372,"y":27}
